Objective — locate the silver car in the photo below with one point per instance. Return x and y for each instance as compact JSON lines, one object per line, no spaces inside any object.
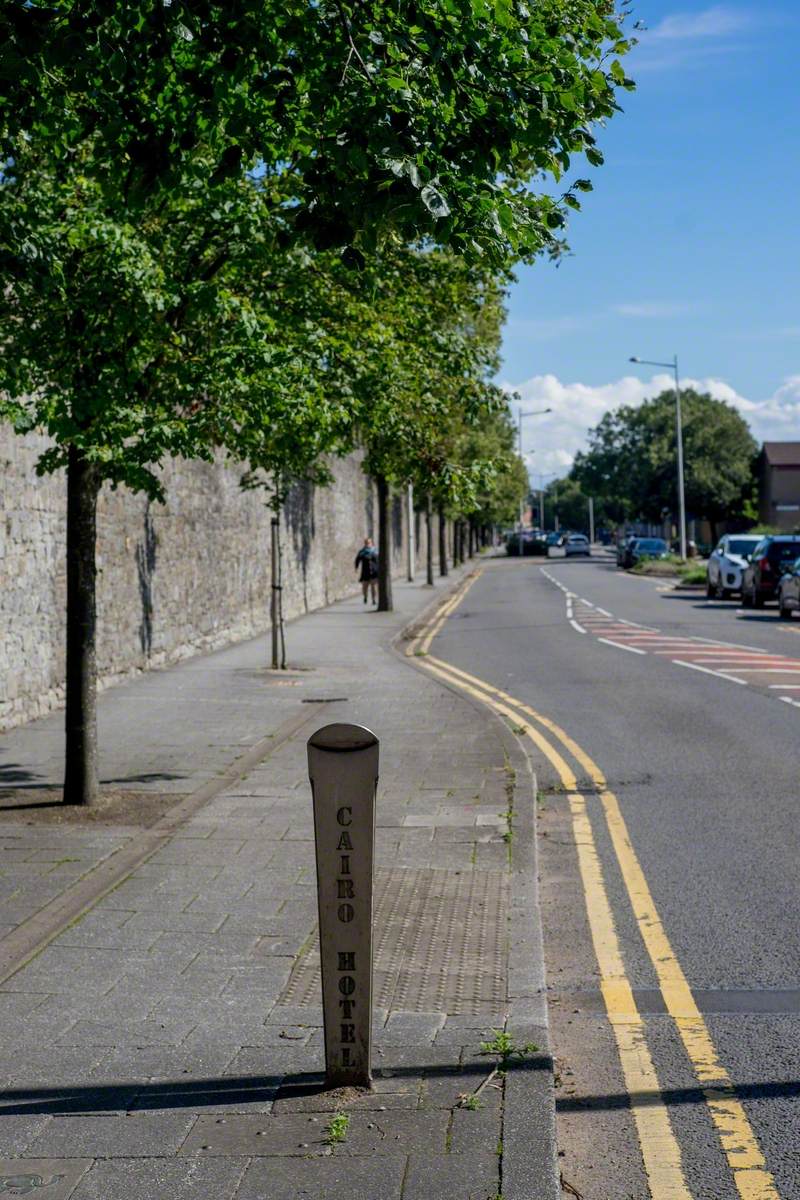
{"x":577,"y":543}
{"x":727,"y":562}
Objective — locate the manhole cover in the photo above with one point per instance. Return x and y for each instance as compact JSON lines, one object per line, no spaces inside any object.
{"x":440,"y":944}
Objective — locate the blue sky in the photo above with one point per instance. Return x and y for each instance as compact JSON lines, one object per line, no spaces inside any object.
{"x":689,"y":242}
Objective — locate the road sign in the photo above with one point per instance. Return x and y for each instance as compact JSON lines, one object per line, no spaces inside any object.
{"x":343,"y":768}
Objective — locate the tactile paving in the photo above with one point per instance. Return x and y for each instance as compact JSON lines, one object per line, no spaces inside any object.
{"x":440,"y":943}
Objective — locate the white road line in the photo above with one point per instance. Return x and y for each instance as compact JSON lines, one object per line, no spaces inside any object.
{"x":622,"y":646}
{"x":588,"y":603}
{"x":737,"y":658}
{"x":768,"y":670}
{"x":719,"y":674}
{"x":575,"y":625}
{"x":785,"y":687}
{"x":789,"y":700}
{"x":604,"y":611}
{"x":733,"y":645}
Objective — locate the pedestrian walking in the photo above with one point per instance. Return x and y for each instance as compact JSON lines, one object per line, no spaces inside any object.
{"x":367,"y":563}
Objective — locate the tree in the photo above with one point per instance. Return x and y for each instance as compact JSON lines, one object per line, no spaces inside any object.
{"x":428,"y":354}
{"x":160,"y":159}
{"x":427,"y":120}
{"x":492,"y":439}
{"x":631,"y":462}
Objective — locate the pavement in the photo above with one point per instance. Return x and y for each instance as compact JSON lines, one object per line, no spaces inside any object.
{"x":159,"y":981}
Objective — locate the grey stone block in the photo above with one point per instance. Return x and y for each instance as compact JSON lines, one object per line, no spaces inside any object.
{"x":396,"y":1130}
{"x":137,"y":1066}
{"x":157,"y":1178}
{"x":330,"y":1178}
{"x":56,"y":1177}
{"x":132,"y":1033}
{"x":474,"y":1176}
{"x":289,"y":1134}
{"x":404,"y":1027}
{"x":106,"y":1136}
{"x":18,"y":1130}
{"x":479,"y":1127}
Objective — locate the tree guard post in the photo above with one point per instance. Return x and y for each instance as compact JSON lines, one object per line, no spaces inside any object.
{"x":343,"y":769}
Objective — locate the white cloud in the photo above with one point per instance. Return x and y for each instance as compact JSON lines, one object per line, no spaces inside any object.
{"x":716,"y":22}
{"x":653,"y":309}
{"x":685,"y":39}
{"x":551,"y":441}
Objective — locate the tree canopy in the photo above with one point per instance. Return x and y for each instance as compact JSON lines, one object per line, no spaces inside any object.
{"x":631,"y":462}
{"x":425,"y":119}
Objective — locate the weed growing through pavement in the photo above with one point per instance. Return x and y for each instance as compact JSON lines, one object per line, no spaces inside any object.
{"x":469,"y":1100}
{"x":511,"y":778}
{"x":337,"y":1127}
{"x":506,"y":1049}
{"x":520,"y":729}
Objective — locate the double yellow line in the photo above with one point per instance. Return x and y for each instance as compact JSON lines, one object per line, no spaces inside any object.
{"x":660,"y":1150}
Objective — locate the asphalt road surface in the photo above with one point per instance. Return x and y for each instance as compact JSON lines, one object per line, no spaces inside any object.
{"x":668,"y":752}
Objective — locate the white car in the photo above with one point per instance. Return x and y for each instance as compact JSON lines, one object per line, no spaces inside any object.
{"x":726,"y":564}
{"x":577,"y":543}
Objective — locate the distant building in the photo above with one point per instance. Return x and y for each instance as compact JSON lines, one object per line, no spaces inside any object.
{"x":779,"y":484}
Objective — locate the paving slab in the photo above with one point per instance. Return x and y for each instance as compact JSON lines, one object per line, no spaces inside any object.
{"x":154,"y":1178}
{"x":330,"y":1179}
{"x":52,"y":1178}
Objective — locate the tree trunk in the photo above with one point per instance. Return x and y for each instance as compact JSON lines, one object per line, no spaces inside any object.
{"x":428,"y":542}
{"x":80,"y":774}
{"x":384,"y":547}
{"x":273,"y":607}
{"x":471,"y":528}
{"x":442,"y":542}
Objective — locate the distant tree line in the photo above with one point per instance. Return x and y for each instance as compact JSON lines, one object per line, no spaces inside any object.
{"x":630,"y":467}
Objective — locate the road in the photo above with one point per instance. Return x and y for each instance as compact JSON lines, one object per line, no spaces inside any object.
{"x":666,"y":735}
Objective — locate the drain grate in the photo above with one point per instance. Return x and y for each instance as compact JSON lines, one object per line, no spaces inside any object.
{"x":440,"y":944}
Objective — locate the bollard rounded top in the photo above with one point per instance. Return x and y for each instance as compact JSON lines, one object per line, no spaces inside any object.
{"x":342,"y":738}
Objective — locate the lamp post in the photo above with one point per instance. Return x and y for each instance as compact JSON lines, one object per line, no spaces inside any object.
{"x":673,"y":366}
{"x":537,"y":412}
{"x":542,"y":476}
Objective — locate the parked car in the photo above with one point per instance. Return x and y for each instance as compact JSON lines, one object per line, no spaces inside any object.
{"x":789,"y":591}
{"x":521,"y":542}
{"x":769,"y":559}
{"x":727,"y":562}
{"x":576,"y":543}
{"x":641,"y":548}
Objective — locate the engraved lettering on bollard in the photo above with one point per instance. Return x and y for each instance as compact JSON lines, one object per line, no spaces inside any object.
{"x":343,"y":767}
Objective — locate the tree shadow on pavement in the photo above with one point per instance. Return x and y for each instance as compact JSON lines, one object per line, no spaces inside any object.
{"x":208,"y":1093}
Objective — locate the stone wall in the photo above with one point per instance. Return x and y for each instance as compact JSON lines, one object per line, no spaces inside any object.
{"x":173,"y":579}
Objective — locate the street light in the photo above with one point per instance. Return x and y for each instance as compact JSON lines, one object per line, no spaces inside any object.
{"x":536,"y":412}
{"x":543,"y":475}
{"x":673,"y":366}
